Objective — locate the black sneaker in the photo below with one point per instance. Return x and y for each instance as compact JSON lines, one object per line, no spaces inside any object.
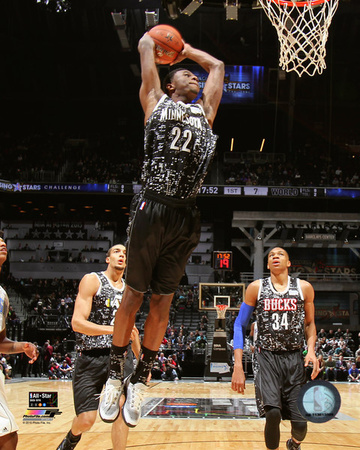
{"x":290,"y":445}
{"x":66,"y":444}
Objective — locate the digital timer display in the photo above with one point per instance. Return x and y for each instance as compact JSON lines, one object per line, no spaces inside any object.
{"x":210,"y":190}
{"x":222,"y":260}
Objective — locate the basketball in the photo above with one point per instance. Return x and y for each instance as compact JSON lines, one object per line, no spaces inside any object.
{"x":168,"y":43}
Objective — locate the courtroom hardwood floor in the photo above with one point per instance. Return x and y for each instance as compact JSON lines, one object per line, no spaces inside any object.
{"x":179,"y":434}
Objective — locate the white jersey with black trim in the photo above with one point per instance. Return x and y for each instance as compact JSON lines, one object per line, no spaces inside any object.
{"x":179,"y":146}
{"x":280,"y":316}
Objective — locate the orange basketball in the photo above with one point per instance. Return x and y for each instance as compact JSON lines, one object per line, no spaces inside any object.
{"x":168,"y":43}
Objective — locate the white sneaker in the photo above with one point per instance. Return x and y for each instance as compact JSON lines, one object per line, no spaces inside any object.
{"x":109,"y":408}
{"x":132,"y":407}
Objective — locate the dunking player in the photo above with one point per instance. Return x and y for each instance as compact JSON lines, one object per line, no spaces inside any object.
{"x":165,"y":226}
{"x":97,"y":301}
{"x":8,"y":427}
{"x":284,"y":307}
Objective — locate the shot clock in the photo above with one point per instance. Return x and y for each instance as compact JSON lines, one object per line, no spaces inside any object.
{"x":222,"y":260}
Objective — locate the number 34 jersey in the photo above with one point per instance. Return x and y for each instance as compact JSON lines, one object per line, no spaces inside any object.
{"x":280,"y":316}
{"x":179,"y":147}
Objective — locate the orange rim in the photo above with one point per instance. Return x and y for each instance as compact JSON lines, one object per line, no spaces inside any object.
{"x":294,"y":3}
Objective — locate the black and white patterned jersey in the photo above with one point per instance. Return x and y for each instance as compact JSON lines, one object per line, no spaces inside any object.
{"x":280,"y":316}
{"x":104,"y":306}
{"x":179,"y":147}
{"x":4,"y":308}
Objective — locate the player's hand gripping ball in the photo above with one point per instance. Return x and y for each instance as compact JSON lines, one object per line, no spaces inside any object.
{"x":168,"y":43}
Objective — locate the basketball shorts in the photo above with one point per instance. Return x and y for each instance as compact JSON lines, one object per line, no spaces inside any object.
{"x":279,"y":379}
{"x":7,"y":420}
{"x":90,"y":375}
{"x":255,"y":367}
{"x":163,"y":233}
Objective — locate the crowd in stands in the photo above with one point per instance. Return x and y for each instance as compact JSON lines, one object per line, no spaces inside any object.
{"x":47,"y":293}
{"x":306,"y":168}
{"x":338,"y":350}
{"x":47,"y":156}
{"x":338,"y":354}
{"x":54,"y":362}
{"x":52,"y":255}
{"x":32,"y":157}
{"x":117,"y":159}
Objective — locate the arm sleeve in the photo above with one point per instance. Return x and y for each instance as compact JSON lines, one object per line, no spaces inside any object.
{"x":241,"y":323}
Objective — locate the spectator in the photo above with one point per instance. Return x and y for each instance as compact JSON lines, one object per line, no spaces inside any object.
{"x":157,"y":371}
{"x":347,"y":335}
{"x":341,"y":369}
{"x":170,"y":371}
{"x":162,"y":359}
{"x":357,"y":362}
{"x":65,"y":370}
{"x":321,"y":373}
{"x":200,"y":340}
{"x":357,"y":353}
{"x":330,"y":369}
{"x":321,"y":333}
{"x":330,"y":334}
{"x":338,"y":333}
{"x":178,"y":368}
{"x":54,"y":371}
{"x":354,"y":373}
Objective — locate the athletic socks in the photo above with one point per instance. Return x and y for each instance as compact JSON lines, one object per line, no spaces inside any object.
{"x":72,"y":438}
{"x":117,"y":362}
{"x":144,"y":366}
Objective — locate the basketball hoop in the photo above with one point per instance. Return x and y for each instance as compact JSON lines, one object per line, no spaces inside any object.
{"x":221,"y":311}
{"x":302,"y":28}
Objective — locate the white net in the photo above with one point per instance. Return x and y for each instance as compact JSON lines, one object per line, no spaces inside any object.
{"x":221,"y":311}
{"x":303,"y":29}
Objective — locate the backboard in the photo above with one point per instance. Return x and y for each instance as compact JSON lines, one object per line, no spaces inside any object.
{"x":212,"y":294}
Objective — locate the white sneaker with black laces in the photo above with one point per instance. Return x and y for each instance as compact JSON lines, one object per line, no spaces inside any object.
{"x":132,"y":407}
{"x":109,"y":408}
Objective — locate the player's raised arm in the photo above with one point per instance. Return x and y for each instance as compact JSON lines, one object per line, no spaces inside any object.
{"x":150,"y":90}
{"x":213,"y":88}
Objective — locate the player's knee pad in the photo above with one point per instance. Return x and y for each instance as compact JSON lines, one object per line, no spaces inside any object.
{"x":272,"y":429}
{"x":299,"y":430}
{"x":272,"y":415}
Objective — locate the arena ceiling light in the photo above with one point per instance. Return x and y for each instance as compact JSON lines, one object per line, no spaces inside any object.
{"x":232,"y":7}
{"x":192,"y":7}
{"x":151,"y":18}
{"x":120,"y":26}
{"x":176,"y":7}
{"x":58,"y":6}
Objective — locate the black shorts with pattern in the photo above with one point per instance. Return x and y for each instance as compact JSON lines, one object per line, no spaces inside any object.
{"x":279,"y":379}
{"x":163,"y":233}
{"x":90,"y":375}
